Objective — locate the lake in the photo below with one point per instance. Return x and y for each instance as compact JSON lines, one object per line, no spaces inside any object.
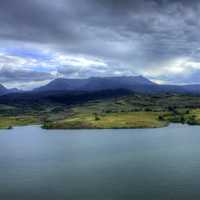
{"x":140,"y":164}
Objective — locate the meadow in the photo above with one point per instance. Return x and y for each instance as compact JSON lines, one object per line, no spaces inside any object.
{"x":130,"y":111}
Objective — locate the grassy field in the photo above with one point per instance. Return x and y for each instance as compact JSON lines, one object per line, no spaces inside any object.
{"x":133,"y":111}
{"x":130,"y":112}
{"x":108,"y":121}
{"x":9,"y":122}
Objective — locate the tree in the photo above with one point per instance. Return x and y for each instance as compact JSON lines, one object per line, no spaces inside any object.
{"x":160,"y":117}
{"x":97,"y":118}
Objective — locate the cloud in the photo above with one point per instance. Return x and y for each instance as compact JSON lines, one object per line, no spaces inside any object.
{"x":15,"y":75}
{"x":108,"y":37}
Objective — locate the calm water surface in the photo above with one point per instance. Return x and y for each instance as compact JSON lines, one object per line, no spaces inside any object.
{"x":144,"y":164}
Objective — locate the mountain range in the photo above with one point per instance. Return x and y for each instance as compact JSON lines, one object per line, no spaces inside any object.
{"x":96,"y":84}
{"x":138,"y":84}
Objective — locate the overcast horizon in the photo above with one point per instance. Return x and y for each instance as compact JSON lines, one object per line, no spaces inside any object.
{"x":44,"y":40}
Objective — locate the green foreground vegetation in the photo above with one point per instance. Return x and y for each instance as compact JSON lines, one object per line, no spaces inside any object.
{"x":133,"y":111}
{"x":108,"y":121}
{"x":9,"y":122}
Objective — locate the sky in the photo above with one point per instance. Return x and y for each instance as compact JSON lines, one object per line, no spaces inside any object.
{"x":41,"y":40}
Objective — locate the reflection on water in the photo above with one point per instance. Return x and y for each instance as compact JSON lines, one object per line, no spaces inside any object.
{"x":141,"y":164}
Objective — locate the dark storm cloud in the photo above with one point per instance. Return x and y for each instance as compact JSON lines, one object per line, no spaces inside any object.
{"x":9,"y":75}
{"x":132,"y":35}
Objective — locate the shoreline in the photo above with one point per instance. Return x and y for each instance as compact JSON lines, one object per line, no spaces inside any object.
{"x":122,"y":120}
{"x":41,"y":126}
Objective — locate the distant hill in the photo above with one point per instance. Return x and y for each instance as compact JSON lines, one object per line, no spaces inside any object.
{"x":96,"y":84}
{"x":138,"y":84}
{"x":78,"y":89}
{"x":69,"y":91}
{"x":61,"y":84}
{"x":195,"y":89}
{"x":4,"y":90}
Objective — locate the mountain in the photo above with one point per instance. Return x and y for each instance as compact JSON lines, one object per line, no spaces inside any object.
{"x":192,"y":88}
{"x":72,"y":91}
{"x":110,"y":83}
{"x":3,"y":89}
{"x":138,"y":84}
{"x":96,"y":84}
{"x":61,"y":84}
{"x":14,"y":90}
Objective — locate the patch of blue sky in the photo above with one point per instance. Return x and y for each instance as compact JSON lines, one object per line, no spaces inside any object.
{"x":40,"y":68}
{"x":28,"y":53}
